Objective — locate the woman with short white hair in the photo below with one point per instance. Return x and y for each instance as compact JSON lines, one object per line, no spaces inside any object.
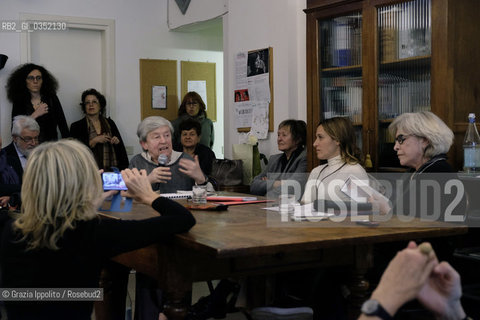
{"x":168,"y":170}
{"x":59,"y":241}
{"x":422,"y":141}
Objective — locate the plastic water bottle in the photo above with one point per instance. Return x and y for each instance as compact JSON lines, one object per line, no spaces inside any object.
{"x":471,"y":147}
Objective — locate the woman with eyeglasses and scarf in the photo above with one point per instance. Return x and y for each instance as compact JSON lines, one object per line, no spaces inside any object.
{"x":33,"y":92}
{"x":99,"y":133}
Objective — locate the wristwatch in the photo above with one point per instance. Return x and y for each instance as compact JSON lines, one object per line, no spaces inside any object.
{"x":374,"y":308}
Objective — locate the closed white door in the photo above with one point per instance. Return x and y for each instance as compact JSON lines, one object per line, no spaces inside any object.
{"x":74,"y":57}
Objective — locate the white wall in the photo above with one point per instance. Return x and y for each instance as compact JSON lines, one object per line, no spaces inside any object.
{"x":198,"y":10}
{"x":280,"y":24}
{"x":141,"y":32}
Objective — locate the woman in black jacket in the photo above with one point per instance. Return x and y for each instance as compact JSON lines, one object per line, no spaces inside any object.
{"x":33,"y":92}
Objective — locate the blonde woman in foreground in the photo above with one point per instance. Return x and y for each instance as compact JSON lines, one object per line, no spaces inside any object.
{"x":59,"y":241}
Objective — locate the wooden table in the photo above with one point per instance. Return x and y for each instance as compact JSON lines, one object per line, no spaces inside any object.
{"x":239,"y":242}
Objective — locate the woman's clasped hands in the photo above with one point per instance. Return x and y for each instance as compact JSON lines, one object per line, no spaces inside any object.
{"x":416,"y":273}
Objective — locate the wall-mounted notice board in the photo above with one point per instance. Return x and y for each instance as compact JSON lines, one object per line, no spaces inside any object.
{"x":158,"y":76}
{"x":259,"y":64}
{"x":201,"y":75}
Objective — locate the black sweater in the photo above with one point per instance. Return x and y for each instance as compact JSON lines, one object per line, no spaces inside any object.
{"x":79,"y":261}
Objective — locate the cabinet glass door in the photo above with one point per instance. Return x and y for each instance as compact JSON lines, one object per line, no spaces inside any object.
{"x":404,"y":67}
{"x":341,"y":68}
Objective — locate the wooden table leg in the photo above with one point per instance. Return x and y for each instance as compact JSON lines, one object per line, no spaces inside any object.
{"x":176,"y":280}
{"x":359,"y":284}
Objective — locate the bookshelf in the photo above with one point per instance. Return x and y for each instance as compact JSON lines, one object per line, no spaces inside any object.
{"x":371,"y":60}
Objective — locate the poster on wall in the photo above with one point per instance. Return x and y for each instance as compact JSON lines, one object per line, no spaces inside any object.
{"x":252,"y":94}
{"x":159,"y":97}
{"x":200,"y":87}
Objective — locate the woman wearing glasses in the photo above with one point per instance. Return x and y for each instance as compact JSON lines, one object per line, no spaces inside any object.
{"x":100,"y":134}
{"x":33,"y":92}
{"x":193,"y":107}
{"x":422,"y":141}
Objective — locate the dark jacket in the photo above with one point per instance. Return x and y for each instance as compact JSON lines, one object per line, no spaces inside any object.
{"x":206,"y":157}
{"x":295,"y":169}
{"x":13,"y":160}
{"x":427,"y":192}
{"x":48,"y":122}
{"x":79,"y":131}
{"x":83,"y":252}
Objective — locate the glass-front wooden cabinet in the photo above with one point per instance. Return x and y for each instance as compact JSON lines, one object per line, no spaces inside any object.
{"x":341,"y":68}
{"x":372,"y":60}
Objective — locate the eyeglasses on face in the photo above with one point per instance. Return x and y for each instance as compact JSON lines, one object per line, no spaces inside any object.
{"x":91,"y":102}
{"x":192,"y":103}
{"x":33,"y":78}
{"x":29,"y":139}
{"x":401,"y":138}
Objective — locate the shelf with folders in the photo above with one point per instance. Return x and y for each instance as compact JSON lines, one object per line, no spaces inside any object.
{"x":341,"y":41}
{"x":342,"y":97}
{"x":405,"y":30}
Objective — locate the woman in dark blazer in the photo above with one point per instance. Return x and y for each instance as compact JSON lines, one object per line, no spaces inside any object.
{"x":33,"y":92}
{"x":290,"y":164}
{"x":100,"y":134}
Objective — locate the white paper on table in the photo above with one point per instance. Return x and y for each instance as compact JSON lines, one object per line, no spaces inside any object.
{"x":304,"y":212}
{"x":200,"y":87}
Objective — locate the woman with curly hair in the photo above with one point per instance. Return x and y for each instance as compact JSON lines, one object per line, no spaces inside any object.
{"x":33,"y":92}
{"x":100,"y":133}
{"x":193,"y":107}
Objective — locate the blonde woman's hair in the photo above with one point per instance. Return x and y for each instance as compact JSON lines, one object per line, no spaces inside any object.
{"x":341,"y":129}
{"x":427,"y":125}
{"x":61,"y":185}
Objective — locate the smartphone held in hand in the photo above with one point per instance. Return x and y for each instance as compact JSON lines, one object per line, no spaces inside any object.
{"x":113,"y":181}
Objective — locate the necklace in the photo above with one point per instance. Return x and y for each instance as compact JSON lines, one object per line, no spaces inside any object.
{"x":328,"y":175}
{"x":426,"y":166}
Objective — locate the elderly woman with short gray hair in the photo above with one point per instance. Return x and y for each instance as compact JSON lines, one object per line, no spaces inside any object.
{"x":168,"y":170}
{"x":422,"y":141}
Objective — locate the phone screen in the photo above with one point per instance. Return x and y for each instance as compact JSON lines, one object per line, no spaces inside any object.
{"x":113,"y":181}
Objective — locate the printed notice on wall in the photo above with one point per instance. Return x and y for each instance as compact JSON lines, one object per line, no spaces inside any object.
{"x":259,"y":126}
{"x":252,"y":91}
{"x":200,"y":87}
{"x":243,"y":114}
{"x":159,"y":97}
